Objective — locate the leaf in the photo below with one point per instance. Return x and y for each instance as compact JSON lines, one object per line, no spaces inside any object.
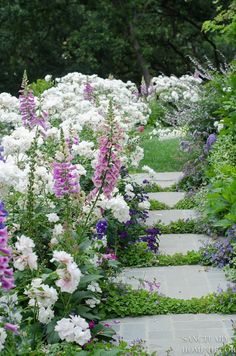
{"x":85,"y":280}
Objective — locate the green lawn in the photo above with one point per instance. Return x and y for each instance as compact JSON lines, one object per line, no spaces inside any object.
{"x":162,"y":156}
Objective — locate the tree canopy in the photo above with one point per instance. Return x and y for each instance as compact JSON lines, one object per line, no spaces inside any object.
{"x":128,"y":39}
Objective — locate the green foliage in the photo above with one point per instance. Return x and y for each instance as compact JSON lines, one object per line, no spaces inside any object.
{"x":163,"y":156}
{"x":186,"y":203}
{"x":157,"y":113}
{"x":181,"y":227}
{"x":122,"y":302}
{"x":137,"y":255}
{"x":155,"y":188}
{"x":178,"y":259}
{"x":59,"y":37}
{"x":157,"y":205}
{"x":224,"y":22}
{"x":40,"y":86}
{"x":222,"y":157}
{"x":220,"y":208}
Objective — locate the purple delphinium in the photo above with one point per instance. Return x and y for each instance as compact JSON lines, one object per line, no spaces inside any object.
{"x":66,"y":179}
{"x":6,"y":273}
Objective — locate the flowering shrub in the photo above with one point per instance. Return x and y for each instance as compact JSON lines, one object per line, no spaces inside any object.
{"x":60,"y":180}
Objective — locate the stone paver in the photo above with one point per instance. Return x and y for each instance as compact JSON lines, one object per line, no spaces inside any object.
{"x":163,"y":179}
{"x":167,"y":216}
{"x":183,"y":282}
{"x":169,"y":198}
{"x":184,"y":334}
{"x":181,"y":243}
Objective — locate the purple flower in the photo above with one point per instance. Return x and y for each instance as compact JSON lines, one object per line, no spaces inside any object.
{"x":88,"y":92}
{"x":101,"y":227}
{"x":1,"y":154}
{"x":210,"y":141}
{"x":6,"y":273}
{"x":66,"y":179}
{"x":28,"y":107}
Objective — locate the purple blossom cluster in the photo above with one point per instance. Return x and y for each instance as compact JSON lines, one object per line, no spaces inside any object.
{"x":218,"y":253}
{"x":151,"y":238}
{"x":66,"y":179}
{"x":6,"y":273}
{"x":101,"y":228}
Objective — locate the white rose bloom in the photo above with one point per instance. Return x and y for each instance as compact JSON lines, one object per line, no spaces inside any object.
{"x":73,"y":329}
{"x":45,"y":315}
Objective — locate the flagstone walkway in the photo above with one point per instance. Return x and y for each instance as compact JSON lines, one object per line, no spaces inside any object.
{"x":182,"y":334}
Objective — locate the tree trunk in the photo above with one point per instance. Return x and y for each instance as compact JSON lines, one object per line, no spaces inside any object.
{"x":140,"y":58}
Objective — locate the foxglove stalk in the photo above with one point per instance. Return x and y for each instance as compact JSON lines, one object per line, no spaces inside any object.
{"x":66,"y":179}
{"x":107,"y":169}
{"x":28,"y":107}
{"x":6,"y":273}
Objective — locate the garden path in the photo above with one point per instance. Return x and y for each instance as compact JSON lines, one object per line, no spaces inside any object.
{"x":180,"y":334}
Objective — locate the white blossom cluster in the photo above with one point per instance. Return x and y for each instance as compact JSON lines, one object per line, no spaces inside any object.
{"x":172,"y":89}
{"x":44,"y":297}
{"x":73,"y":329}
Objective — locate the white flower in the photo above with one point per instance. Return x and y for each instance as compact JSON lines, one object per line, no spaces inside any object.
{"x":45,"y":315}
{"x":57,"y":230}
{"x":69,"y":278}
{"x":23,"y":255}
{"x":92,"y":302}
{"x":94,"y":287}
{"x":54,"y":241}
{"x":3,"y":336}
{"x":73,"y":329}
{"x":24,"y":244}
{"x":144,"y":205}
{"x":118,"y":206}
{"x":52,"y":217}
{"x":41,"y":294}
{"x":48,"y":77}
{"x":62,"y":257}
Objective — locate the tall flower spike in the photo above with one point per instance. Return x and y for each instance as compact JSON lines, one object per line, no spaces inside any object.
{"x":108,"y":166}
{"x":28,"y":107}
{"x":66,"y":178}
{"x":6,"y":273}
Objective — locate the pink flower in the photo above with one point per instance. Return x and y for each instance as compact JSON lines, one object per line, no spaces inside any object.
{"x":140,"y":128}
{"x":108,"y":166}
{"x":11,"y":327}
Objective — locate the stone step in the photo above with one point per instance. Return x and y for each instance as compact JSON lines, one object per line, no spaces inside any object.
{"x":184,"y":334}
{"x":181,"y":243}
{"x":163,"y":179}
{"x":183,"y":282}
{"x":168,"y":198}
{"x":168,"y":216}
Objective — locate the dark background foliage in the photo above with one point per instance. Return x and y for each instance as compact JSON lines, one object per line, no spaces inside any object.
{"x":127,"y":39}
